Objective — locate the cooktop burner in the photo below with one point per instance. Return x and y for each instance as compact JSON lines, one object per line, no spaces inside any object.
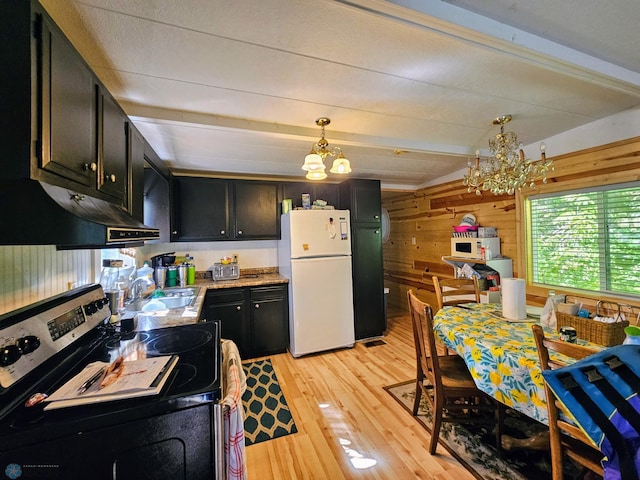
{"x":178,"y":341}
{"x":115,"y":340}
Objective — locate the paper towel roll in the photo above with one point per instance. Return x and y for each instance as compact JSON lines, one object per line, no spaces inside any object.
{"x":514,"y":298}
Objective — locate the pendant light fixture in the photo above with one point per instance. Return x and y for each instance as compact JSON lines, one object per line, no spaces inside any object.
{"x":314,"y":162}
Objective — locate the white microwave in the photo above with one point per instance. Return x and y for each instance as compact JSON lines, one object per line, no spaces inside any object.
{"x":464,"y":247}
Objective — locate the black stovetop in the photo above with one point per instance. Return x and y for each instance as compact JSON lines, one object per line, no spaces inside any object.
{"x":194,"y":381}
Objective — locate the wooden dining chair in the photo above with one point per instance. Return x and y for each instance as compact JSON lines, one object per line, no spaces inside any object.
{"x":565,"y":438}
{"x":444,"y":380}
{"x":455,"y":291}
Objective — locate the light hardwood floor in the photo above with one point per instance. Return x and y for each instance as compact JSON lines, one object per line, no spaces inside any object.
{"x":345,"y":417}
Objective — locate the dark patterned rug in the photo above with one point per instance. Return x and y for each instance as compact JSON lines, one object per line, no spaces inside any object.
{"x":267,"y":414}
{"x":473,"y":445}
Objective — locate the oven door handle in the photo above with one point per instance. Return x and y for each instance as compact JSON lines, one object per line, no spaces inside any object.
{"x":218,"y":444}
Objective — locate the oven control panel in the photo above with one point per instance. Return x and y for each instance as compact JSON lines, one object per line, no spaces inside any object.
{"x":29,"y":342}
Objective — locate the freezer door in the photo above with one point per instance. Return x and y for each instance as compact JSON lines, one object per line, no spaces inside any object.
{"x":318,"y":233}
{"x":320,"y":305}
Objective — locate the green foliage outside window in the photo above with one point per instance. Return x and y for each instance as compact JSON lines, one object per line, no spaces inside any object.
{"x":588,"y":239}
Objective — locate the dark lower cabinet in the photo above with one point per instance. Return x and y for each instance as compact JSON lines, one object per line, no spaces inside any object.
{"x":269,"y":320}
{"x":229,"y":305}
{"x":255,"y":318}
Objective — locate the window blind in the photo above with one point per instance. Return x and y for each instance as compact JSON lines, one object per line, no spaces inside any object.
{"x":588,"y":239}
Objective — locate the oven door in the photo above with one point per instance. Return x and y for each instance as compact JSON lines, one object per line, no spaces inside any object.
{"x":175,"y":445}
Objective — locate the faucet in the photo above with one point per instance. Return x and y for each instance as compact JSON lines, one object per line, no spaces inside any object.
{"x":137,"y":287}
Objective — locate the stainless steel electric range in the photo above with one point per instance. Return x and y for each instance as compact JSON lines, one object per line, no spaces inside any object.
{"x":176,"y":434}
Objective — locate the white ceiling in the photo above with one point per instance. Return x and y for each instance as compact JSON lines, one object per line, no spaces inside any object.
{"x":411,"y":86}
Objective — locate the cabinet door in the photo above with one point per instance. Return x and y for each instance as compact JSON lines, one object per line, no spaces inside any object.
{"x":368,"y":281}
{"x":269,"y":320}
{"x":256,"y":210}
{"x":68,"y":107}
{"x":156,"y":203}
{"x":112,"y":147}
{"x":363,"y":198}
{"x":329,"y":192}
{"x":135,"y":186}
{"x":175,"y":445}
{"x":199,"y":209}
{"x":229,"y":306}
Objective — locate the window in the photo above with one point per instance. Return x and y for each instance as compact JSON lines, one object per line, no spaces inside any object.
{"x":588,"y":239}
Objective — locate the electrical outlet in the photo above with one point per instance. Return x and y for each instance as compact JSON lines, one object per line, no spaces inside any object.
{"x":413,"y":240}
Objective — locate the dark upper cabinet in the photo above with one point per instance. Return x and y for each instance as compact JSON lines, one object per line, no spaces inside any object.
{"x":210,"y":209}
{"x":329,"y":192}
{"x":113,"y":167}
{"x":363,"y":198}
{"x":200,"y":209}
{"x":256,"y":210}
{"x":67,"y":104}
{"x":156,"y":194}
{"x":84,"y":139}
{"x":136,"y":145}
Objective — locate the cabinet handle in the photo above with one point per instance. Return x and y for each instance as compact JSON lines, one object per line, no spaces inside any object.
{"x":93,"y":166}
{"x":238,"y":308}
{"x":377,"y":231}
{"x":239,"y":232}
{"x":222,"y":232}
{"x":257,"y":305}
{"x":376,"y":217}
{"x":110,"y":178}
{"x":175,"y":232}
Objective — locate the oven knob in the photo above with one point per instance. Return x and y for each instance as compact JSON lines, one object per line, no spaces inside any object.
{"x":9,"y":354}
{"x":91,"y":308}
{"x":28,"y":344}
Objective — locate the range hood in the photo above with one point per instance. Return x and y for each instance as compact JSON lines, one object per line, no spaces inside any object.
{"x":38,"y":213}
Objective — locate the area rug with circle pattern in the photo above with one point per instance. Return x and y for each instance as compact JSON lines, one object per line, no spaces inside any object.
{"x":267,"y":414}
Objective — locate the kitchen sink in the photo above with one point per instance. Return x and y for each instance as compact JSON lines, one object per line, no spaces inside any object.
{"x":174,"y":298}
{"x":177,"y":302}
{"x":180,"y":292}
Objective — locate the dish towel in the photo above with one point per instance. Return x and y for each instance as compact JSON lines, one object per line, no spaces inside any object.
{"x":235,"y":383}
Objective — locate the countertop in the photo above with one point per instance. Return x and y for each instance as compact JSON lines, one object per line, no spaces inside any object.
{"x":250,"y":280}
{"x":190,"y":314}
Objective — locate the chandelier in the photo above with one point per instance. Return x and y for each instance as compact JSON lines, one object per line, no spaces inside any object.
{"x":506,"y":170}
{"x":314,"y":162}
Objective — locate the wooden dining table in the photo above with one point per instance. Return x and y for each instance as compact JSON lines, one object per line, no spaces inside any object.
{"x":500,"y":354}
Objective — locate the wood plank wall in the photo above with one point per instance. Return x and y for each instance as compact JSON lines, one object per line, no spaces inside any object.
{"x":421,"y":221}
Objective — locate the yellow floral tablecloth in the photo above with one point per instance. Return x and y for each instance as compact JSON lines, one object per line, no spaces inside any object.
{"x":501,"y":355}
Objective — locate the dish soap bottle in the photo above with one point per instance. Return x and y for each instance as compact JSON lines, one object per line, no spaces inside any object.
{"x":147,"y":272}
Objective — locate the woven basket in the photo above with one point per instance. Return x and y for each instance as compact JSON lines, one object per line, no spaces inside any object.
{"x":601,"y":333}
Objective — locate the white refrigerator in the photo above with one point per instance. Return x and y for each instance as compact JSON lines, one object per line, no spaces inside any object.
{"x":314,"y":253}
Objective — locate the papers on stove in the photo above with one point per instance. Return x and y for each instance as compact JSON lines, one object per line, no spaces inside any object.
{"x":139,"y":378}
